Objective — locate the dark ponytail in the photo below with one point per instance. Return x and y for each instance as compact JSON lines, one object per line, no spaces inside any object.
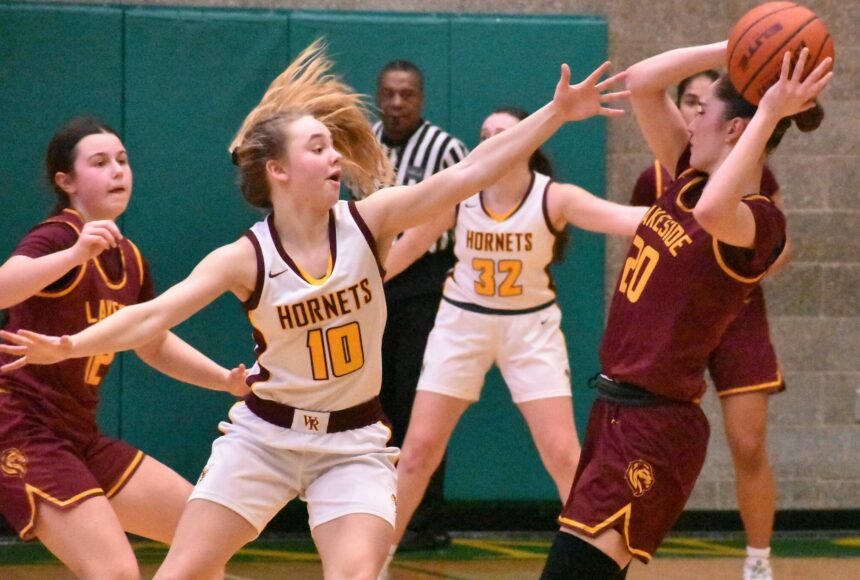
{"x":736,"y":106}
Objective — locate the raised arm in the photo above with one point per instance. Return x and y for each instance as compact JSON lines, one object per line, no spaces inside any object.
{"x":720,"y":210}
{"x":648,"y":81}
{"x":396,"y":209}
{"x":229,"y":268}
{"x":415,"y":242}
{"x":570,"y":204}
{"x":21,"y":277}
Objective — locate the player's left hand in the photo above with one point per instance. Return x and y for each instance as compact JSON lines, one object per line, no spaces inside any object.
{"x":586,"y":99}
{"x":34,"y":348}
{"x":236,"y":384}
{"x":790,"y":95}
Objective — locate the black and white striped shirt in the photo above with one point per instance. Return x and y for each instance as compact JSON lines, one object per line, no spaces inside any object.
{"x":427,"y":151}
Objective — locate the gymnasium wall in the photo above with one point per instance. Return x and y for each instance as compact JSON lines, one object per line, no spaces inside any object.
{"x":814,"y":305}
{"x":176,"y":82}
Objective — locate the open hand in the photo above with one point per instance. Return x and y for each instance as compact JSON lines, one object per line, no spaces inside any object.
{"x":236,"y":384}
{"x":34,"y":348}
{"x":789,"y":95}
{"x":587,"y":98}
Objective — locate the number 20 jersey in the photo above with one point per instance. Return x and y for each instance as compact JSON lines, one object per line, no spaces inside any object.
{"x":680,"y":288}
{"x":318,"y":341}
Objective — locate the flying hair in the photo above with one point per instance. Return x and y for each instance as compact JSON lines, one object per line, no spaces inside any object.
{"x":307,"y":87}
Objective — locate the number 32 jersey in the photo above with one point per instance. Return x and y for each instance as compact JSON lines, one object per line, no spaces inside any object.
{"x":318,"y":341}
{"x":680,"y":288}
{"x":503,"y":260}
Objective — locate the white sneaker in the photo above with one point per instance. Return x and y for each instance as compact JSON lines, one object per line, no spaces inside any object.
{"x":757,"y":569}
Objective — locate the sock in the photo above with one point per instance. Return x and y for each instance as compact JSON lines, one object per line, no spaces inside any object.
{"x":572,"y":558}
{"x":758,"y":553}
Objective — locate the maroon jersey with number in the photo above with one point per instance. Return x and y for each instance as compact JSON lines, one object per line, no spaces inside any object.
{"x":680,"y":288}
{"x":67,"y":392}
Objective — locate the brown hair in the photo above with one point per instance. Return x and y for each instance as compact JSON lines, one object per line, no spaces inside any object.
{"x":736,"y":106}
{"x":63,"y":150}
{"x":307,"y":88}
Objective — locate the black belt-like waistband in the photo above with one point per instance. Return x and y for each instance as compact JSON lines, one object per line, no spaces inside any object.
{"x":627,"y":394}
{"x":356,"y":417}
{"x":484,"y":310}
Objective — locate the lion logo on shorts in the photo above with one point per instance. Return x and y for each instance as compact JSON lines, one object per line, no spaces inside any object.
{"x":13,"y":463}
{"x":639,"y":476}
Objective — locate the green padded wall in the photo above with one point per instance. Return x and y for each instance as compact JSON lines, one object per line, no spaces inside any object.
{"x":191,"y":76}
{"x":55,"y":63}
{"x":516,"y":61}
{"x":178,"y":82}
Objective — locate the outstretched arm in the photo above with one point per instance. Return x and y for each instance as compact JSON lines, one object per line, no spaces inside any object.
{"x":570,"y":204}
{"x":659,"y":119}
{"x":229,"y":268}
{"x":720,"y":210}
{"x":415,"y":242}
{"x":396,"y":209}
{"x":22,"y":277}
{"x":177,"y":359}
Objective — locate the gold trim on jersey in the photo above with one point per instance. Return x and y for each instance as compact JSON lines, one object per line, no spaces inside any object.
{"x":315,"y":281}
{"x":658,"y":172}
{"x":139,"y":259}
{"x":83,"y":267}
{"x":500,"y":217}
{"x":126,"y":474}
{"x":753,"y":388}
{"x":595,"y":530}
{"x":113,"y":285}
{"x":33,"y":491}
{"x":728,"y":269}
{"x":684,"y":189}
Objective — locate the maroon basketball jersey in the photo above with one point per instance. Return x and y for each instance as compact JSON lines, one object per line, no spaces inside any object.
{"x":679,"y":289}
{"x":654,"y":181}
{"x":68,"y":391}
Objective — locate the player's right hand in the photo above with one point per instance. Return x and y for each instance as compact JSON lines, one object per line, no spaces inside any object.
{"x":34,"y":348}
{"x":96,"y":237}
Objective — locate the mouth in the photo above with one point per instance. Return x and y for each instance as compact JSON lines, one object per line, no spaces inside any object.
{"x":118,"y":189}
{"x":334,"y":177}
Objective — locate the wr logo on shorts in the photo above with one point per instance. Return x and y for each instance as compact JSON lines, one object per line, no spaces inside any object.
{"x":640,"y":477}
{"x":13,"y":463}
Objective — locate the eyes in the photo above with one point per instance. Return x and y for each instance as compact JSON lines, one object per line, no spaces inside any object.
{"x":104,"y":160}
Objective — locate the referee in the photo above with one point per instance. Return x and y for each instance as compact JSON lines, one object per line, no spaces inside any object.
{"x":418,"y":149}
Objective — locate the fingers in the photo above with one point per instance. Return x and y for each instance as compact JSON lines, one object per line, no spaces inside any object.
{"x":19,"y":339}
{"x":616,"y":96}
{"x":565,"y":74}
{"x":797,"y":75}
{"x":614,"y":79}
{"x":14,"y":365}
{"x":598,"y":72}
{"x":786,"y":66}
{"x":819,"y":71}
{"x":609,"y":112}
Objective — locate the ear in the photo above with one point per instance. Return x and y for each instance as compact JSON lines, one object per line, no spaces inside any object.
{"x":65,"y":182}
{"x":735,"y":129}
{"x":277,"y":171}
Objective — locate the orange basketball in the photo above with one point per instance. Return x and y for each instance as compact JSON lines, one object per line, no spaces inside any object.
{"x":762,"y":36}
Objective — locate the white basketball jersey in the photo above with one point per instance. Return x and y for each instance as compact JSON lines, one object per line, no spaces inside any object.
{"x":318,"y":341}
{"x":503,"y":260}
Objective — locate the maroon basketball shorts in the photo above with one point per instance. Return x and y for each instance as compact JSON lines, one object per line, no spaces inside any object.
{"x":636,"y":472}
{"x":745,"y":360}
{"x":37,"y":465}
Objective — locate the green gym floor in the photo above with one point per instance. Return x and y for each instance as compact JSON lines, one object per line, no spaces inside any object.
{"x":494,"y":557}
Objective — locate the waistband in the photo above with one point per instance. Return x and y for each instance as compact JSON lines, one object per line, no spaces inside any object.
{"x":484,"y":310}
{"x":318,"y":422}
{"x":627,"y":394}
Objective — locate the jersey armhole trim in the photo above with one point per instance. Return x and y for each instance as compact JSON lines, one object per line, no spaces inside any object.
{"x":362,"y":226}
{"x":254,"y":299}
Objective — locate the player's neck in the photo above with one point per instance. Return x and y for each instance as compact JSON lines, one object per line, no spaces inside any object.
{"x":510,"y":189}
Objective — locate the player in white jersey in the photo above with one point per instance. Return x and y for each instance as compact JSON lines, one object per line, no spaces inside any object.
{"x":498,"y":306}
{"x":310,"y":278}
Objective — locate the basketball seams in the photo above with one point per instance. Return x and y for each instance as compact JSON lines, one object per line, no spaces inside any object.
{"x":737,"y":41}
{"x":778,"y":51}
{"x":814,"y":61}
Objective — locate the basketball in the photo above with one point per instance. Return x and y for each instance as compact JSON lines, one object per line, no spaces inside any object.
{"x":758,"y":41}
